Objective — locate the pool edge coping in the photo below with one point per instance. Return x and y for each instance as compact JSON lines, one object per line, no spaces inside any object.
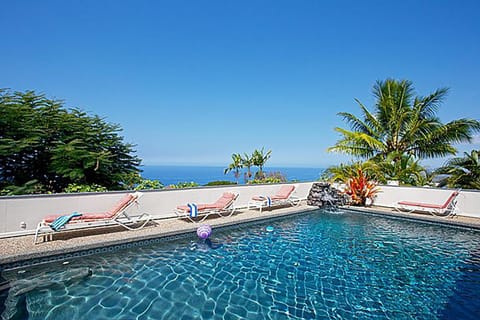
{"x":383,"y":211}
{"x":10,"y":262}
{"x":21,"y":258}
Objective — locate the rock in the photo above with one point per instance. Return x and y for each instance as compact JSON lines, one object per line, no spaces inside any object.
{"x":322,"y":194}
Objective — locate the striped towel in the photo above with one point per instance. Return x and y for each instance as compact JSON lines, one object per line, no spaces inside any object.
{"x":269,"y":201}
{"x":63,"y":220}
{"x":193,"y":210}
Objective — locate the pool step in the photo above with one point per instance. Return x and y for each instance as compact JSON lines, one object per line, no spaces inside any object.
{"x":4,"y":285}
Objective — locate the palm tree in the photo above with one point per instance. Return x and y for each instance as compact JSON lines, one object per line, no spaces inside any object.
{"x":403,"y":168}
{"x":463,"y":172}
{"x":247,"y":162}
{"x":402,"y":123}
{"x":235,"y":166}
{"x":259,"y":158}
{"x":344,"y":172}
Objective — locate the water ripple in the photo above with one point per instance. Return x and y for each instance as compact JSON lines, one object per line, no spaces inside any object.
{"x":325,"y":265}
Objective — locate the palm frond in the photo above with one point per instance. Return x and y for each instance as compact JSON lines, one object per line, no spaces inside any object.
{"x":354,"y":122}
{"x":371,"y":122}
{"x":429,"y":105}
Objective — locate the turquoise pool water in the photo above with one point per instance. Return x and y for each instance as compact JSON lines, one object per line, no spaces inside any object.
{"x":320,"y":265}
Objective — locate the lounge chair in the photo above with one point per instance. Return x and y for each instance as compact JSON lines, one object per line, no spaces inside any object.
{"x":446,"y":209}
{"x":117,"y":215}
{"x":223,"y":207}
{"x":284,"y":196}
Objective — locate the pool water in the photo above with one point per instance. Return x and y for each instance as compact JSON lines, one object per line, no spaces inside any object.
{"x":319,"y":265}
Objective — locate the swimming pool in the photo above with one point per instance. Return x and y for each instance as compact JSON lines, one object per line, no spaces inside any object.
{"x":320,"y":265}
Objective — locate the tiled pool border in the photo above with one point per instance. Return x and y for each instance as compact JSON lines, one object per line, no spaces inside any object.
{"x":93,"y":249}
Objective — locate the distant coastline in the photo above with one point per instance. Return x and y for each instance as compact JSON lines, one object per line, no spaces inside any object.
{"x":204,"y":174}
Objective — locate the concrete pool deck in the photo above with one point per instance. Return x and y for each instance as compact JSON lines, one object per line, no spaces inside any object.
{"x":17,"y":249}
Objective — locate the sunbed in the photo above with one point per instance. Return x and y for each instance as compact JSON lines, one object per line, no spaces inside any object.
{"x":117,"y":215}
{"x":197,"y":212}
{"x":444,"y":209}
{"x":284,"y":196}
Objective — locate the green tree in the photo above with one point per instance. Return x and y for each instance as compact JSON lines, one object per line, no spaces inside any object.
{"x":42,"y":141}
{"x":259,"y":158}
{"x":402,"y":123}
{"x":463,"y":172}
{"x":235,"y":166}
{"x":247,"y":162}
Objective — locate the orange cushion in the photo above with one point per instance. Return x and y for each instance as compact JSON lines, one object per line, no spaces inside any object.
{"x":127,"y":199}
{"x":421,"y":204}
{"x":121,"y":204}
{"x":284,"y":192}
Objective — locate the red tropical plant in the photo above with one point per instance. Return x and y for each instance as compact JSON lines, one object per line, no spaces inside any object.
{"x":360,"y":188}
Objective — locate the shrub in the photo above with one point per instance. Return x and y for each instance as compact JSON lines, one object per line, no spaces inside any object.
{"x":30,"y":187}
{"x":147,"y":184}
{"x":220,"y":183}
{"x":182,"y":185}
{"x":271,"y":177}
{"x":74,"y":188}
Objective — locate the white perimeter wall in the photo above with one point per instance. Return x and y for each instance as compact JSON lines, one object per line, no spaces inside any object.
{"x":31,"y":210}
{"x":468,"y":202}
{"x":161,"y":204}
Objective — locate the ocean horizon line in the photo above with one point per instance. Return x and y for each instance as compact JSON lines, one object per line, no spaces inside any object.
{"x":168,"y":175}
{"x":225,"y":166}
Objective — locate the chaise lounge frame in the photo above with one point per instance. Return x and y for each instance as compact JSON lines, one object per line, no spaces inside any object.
{"x":208,"y":209}
{"x":277,"y":200}
{"x":118,"y":216}
{"x":447,"y":209}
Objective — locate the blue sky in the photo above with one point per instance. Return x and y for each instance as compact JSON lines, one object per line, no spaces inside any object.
{"x":192,"y":82}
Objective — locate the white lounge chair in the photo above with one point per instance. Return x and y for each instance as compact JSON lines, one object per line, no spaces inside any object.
{"x":223,"y":207}
{"x":116,"y":216}
{"x":445,"y":209}
{"x":285,"y":196}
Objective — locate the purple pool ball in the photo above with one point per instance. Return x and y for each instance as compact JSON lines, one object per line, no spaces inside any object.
{"x":204,"y":231}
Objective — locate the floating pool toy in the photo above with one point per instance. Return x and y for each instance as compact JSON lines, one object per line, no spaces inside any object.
{"x":204,"y":231}
{"x":269,"y":229}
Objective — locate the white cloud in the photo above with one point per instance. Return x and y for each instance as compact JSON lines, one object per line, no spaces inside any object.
{"x":474,"y":144}
{"x":476,"y":139}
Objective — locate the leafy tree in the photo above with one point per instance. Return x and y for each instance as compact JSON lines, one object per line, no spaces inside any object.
{"x":42,"y":141}
{"x":402,"y":123}
{"x":235,"y":166}
{"x":259,"y":158}
{"x":463,"y":172}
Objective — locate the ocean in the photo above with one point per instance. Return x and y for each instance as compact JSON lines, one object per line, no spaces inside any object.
{"x":202,"y":174}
